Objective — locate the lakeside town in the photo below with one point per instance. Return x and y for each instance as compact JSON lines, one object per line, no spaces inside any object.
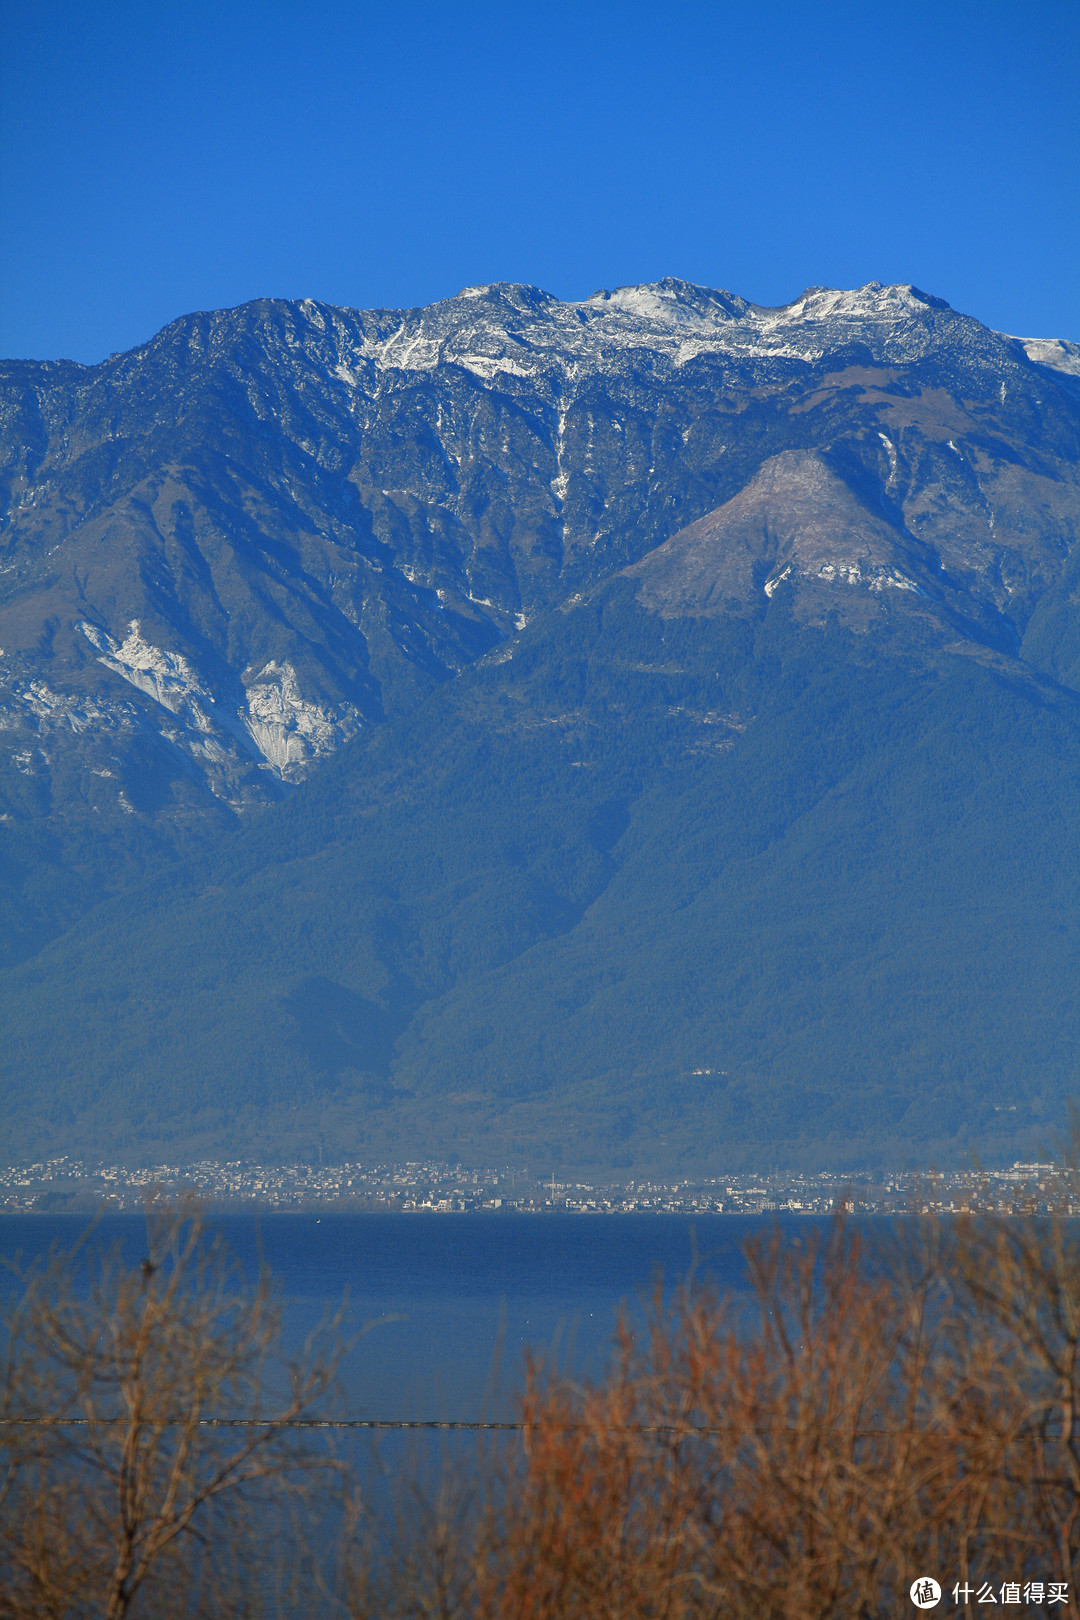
{"x":66,"y":1185}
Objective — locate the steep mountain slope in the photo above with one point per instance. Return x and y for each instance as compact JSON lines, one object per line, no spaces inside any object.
{"x":500,"y":724}
{"x":648,"y":891}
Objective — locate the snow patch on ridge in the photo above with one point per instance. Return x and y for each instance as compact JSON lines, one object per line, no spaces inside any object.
{"x":848,"y":571}
{"x":275,"y":723}
{"x":290,"y":732}
{"x":1057,"y":353}
{"x":517,"y":331}
{"x":167,"y":677}
{"x":63,"y":711}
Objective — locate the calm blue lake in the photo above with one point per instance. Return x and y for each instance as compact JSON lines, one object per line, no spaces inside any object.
{"x":453,"y":1301}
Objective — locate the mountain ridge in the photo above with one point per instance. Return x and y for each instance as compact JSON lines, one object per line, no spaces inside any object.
{"x":475,"y":578}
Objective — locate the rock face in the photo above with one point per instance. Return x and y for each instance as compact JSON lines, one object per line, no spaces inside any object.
{"x":230,"y":549}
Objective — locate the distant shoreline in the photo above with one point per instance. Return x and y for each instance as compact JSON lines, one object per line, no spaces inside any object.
{"x":67,"y":1187}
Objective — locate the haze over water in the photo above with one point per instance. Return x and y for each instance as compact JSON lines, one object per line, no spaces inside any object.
{"x":454,"y":1301}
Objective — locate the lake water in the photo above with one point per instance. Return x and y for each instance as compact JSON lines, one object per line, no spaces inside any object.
{"x":453,"y":1301}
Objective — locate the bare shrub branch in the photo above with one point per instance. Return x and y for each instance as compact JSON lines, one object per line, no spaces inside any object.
{"x":141,"y":1506}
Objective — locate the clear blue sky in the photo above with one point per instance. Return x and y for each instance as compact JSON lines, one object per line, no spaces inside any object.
{"x":171,"y":155}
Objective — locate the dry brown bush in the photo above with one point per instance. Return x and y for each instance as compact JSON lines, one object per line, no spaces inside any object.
{"x":141,"y":1507}
{"x":883,"y":1415}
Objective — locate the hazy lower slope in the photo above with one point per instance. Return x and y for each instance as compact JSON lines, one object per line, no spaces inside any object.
{"x":648,"y":891}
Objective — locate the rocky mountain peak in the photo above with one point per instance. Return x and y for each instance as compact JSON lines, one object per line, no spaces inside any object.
{"x":524,"y":331}
{"x":311,"y":516}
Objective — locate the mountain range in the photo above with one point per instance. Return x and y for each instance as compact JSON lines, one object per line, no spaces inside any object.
{"x":642,"y":731}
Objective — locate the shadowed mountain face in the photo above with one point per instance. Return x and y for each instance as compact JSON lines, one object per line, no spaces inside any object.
{"x":528,"y":641}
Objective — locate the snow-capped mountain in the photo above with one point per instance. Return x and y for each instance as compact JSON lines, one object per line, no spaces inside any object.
{"x":674,"y":706}
{"x":230,"y":549}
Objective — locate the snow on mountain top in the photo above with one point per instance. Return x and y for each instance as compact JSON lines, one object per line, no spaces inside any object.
{"x":874,"y":302}
{"x":514,"y":330}
{"x":505,"y":327}
{"x":1057,"y":353}
{"x":669,"y":302}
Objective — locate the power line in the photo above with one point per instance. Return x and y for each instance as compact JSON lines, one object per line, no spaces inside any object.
{"x":345,"y":1423}
{"x":517,"y":1427}
{"x":52,"y":1422}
